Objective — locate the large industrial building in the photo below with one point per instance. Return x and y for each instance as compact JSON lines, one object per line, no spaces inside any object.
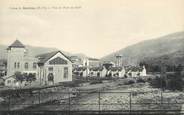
{"x":48,"y":68}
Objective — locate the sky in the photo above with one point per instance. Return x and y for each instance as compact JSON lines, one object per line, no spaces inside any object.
{"x":92,"y":27}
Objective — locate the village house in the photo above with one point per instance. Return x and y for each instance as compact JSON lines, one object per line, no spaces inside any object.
{"x":100,"y":71}
{"x":12,"y":82}
{"x":93,"y":62}
{"x":54,"y":67}
{"x":83,"y":61}
{"x":90,"y":71}
{"x":97,"y":72}
{"x":77,"y":61}
{"x":81,"y":71}
{"x":48,"y":68}
{"x":136,"y":71}
{"x":117,"y":72}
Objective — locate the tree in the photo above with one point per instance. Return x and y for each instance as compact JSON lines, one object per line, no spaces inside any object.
{"x":158,"y":82}
{"x":179,"y":69}
{"x":107,"y":65}
{"x":19,"y":76}
{"x":175,"y":82}
{"x":25,"y":76}
{"x":30,"y":77}
{"x":170,"y":81}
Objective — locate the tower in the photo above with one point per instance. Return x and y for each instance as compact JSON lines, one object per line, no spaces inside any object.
{"x":118,"y":60}
{"x":15,"y":57}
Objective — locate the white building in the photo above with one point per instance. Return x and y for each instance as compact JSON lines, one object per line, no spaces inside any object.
{"x":81,"y":71}
{"x":48,"y":68}
{"x":19,"y":61}
{"x":100,"y":71}
{"x":136,"y":71}
{"x":54,"y":67}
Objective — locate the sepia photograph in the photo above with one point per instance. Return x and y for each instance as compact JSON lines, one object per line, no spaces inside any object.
{"x":91,"y":57}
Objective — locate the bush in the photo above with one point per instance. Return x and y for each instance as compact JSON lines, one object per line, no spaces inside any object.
{"x":125,"y":76}
{"x":96,"y":82}
{"x":158,"y":82}
{"x":70,"y":84}
{"x":1,"y":83}
{"x":175,"y":83}
{"x":140,"y":80}
{"x":149,"y":79}
{"x":129,"y":82}
{"x":170,"y":82}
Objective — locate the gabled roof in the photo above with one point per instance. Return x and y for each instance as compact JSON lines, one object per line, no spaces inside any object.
{"x":80,"y":68}
{"x":116,"y":68}
{"x":17,"y":44}
{"x":96,"y":68}
{"x":7,"y":77}
{"x":134,"y":69}
{"x":46,"y":56}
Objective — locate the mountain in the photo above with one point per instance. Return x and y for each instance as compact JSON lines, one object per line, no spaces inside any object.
{"x":32,"y":50}
{"x":170,"y":46}
{"x":3,"y":54}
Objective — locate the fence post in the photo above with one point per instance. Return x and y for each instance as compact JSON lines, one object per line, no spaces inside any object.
{"x":9,"y":102}
{"x":161,"y":101}
{"x":69,"y":101}
{"x":39,"y":97}
{"x":130,"y":101}
{"x":99,"y":101}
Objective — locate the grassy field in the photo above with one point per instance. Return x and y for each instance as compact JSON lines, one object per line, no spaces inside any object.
{"x":117,"y":98}
{"x":114,"y":96}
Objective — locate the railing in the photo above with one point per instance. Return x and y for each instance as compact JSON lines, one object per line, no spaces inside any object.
{"x":96,"y":101}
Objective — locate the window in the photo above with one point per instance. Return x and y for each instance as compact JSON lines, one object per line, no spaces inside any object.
{"x":65,"y":72}
{"x":50,"y":68}
{"x":15,"y":65}
{"x":26,"y":65}
{"x":9,"y":81}
{"x":98,"y":74}
{"x":18,"y":65}
{"x":34,"y":65}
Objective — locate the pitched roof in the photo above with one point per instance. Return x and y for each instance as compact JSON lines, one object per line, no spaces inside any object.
{"x":96,"y":68}
{"x":6,"y":77}
{"x":80,"y":68}
{"x":134,"y":68}
{"x":16,"y":43}
{"x":116,"y":68}
{"x":46,"y":56}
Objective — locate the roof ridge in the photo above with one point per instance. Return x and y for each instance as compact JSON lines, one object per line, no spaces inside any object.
{"x":51,"y":54}
{"x":17,"y":43}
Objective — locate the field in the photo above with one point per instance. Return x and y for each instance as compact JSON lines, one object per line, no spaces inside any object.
{"x":110,"y":95}
{"x":115,"y":96}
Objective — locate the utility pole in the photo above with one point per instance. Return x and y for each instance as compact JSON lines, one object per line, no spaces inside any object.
{"x":163,"y":72}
